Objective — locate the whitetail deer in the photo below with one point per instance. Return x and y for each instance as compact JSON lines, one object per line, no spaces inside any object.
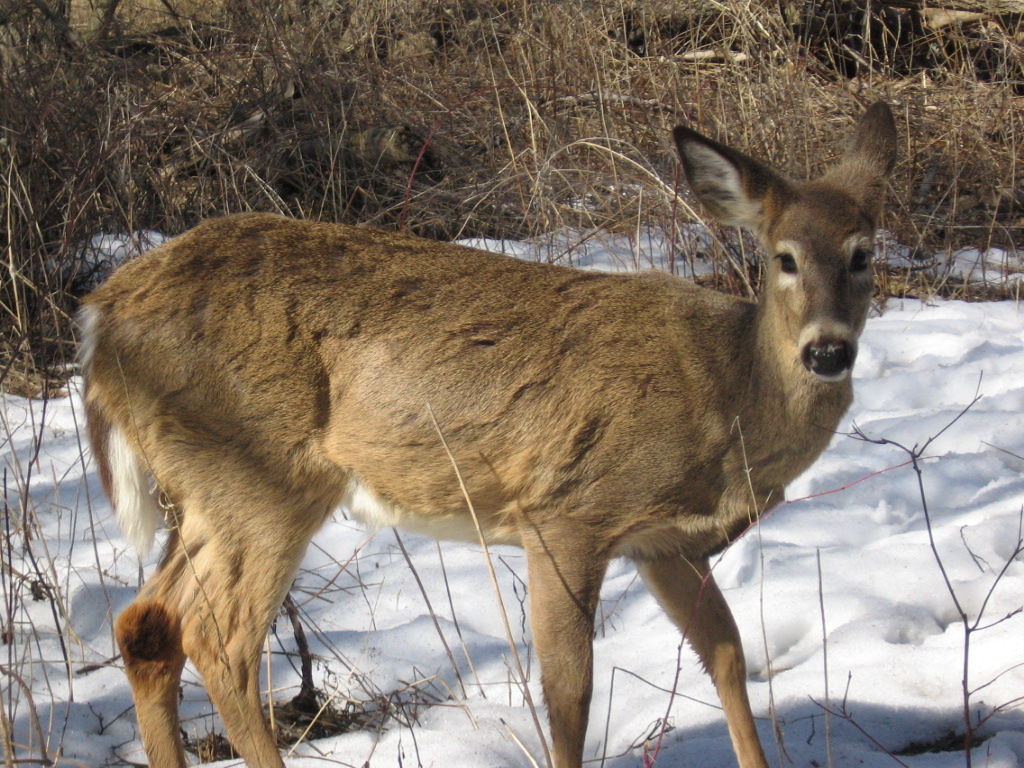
{"x":262,"y":371}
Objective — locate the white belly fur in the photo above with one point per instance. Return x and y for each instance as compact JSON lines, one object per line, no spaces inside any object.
{"x":375,"y":512}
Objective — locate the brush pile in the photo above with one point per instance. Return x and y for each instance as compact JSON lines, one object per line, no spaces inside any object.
{"x":476,"y":118}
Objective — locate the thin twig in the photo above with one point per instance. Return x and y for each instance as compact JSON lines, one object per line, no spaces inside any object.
{"x":824,"y":654}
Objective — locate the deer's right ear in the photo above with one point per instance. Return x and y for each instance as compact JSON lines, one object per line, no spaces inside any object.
{"x":735,"y":189}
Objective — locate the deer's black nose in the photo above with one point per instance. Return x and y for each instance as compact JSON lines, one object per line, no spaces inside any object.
{"x":829,"y":359}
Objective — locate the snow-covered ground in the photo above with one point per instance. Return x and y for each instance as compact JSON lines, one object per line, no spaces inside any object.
{"x":843,"y":576}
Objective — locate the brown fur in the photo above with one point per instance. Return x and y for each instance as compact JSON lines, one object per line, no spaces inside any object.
{"x":265,"y":370}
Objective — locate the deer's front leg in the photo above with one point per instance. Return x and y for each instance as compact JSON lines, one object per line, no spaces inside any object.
{"x":565,"y":575}
{"x":689,"y":595}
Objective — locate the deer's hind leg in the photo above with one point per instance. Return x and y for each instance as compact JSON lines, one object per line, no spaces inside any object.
{"x":149,"y":635}
{"x":217,"y":590}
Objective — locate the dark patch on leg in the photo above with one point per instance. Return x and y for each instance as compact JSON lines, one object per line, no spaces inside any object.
{"x":146,"y":632}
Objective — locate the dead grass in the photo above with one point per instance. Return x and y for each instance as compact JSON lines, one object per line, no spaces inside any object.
{"x":473,"y":119}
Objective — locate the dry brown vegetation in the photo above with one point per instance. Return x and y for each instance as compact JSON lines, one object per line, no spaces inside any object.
{"x":500,"y":119}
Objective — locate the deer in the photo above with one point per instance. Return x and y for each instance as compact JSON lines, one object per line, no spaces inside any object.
{"x":249,"y":377}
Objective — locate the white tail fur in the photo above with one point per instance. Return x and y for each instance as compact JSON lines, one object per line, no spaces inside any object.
{"x":124,"y":473}
{"x":136,"y":507}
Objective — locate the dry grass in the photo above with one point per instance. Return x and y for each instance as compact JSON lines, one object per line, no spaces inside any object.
{"x":471,"y":119}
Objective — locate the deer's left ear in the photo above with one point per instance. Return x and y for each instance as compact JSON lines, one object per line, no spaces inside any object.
{"x":869,"y":159}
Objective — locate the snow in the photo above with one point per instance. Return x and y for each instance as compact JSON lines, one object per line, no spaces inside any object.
{"x":98,"y":258}
{"x":847,"y":559}
{"x":991,"y":267}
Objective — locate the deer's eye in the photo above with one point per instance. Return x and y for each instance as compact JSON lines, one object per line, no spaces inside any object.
{"x":860,"y":260}
{"x":787,"y":263}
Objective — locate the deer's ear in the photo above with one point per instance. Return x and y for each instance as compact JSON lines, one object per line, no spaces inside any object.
{"x":869,"y":159}
{"x":735,"y":189}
